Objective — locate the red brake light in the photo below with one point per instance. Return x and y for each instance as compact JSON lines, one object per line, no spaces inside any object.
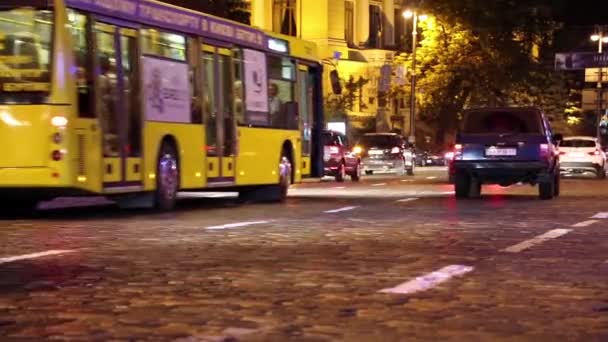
{"x":334,"y":150}
{"x":562,"y":153}
{"x":458,"y":147}
{"x":594,"y":153}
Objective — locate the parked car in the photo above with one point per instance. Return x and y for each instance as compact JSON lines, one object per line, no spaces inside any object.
{"x":339,"y":159}
{"x":385,"y":153}
{"x":580,"y":155}
{"x":506,"y":146}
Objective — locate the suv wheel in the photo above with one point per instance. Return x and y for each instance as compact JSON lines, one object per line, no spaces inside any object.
{"x":462,"y":184}
{"x":601,"y":172}
{"x":356,"y":175}
{"x":400,"y":168}
{"x":546,"y":188}
{"x":341,"y":173}
{"x":556,"y":186}
{"x":410,"y":171}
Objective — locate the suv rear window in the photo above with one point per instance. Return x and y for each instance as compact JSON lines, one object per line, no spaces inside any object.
{"x":577,"y":143}
{"x":502,"y":121}
{"x":382,"y":141}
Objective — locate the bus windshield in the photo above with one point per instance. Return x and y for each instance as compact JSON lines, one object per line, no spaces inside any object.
{"x":25,"y":54}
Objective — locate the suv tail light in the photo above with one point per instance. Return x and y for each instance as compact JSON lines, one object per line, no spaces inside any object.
{"x":334,"y":149}
{"x":594,"y":153}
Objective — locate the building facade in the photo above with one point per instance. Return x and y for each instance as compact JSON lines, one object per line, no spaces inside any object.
{"x":361,"y":40}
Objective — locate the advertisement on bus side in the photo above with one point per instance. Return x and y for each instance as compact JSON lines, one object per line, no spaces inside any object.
{"x":166,"y":90}
{"x":256,"y":88}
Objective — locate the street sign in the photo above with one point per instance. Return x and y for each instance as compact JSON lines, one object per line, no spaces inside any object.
{"x":580,"y":60}
{"x":590,"y":99}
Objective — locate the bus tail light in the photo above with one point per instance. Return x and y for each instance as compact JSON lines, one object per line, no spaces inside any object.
{"x":56,"y":155}
{"x":59,"y":121}
{"x":57,"y":138}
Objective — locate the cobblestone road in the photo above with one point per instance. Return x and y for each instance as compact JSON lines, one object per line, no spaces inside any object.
{"x":504,"y":267}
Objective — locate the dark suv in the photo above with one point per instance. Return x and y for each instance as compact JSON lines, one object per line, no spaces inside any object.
{"x":339,"y":159}
{"x":505,"y":146}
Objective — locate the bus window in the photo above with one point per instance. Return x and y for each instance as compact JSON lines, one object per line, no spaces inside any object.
{"x":227,"y":84}
{"x":239,"y":105}
{"x":281,"y":74}
{"x":163,"y":44}
{"x":107,"y":87}
{"x":210,"y":102}
{"x":131,"y":98}
{"x":195,"y":81}
{"x":25,"y":55}
{"x":84,"y":81}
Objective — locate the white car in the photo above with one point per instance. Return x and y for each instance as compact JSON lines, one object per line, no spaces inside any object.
{"x":580,"y":155}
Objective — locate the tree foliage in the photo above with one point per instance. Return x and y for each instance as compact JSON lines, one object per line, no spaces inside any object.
{"x":486,"y":53}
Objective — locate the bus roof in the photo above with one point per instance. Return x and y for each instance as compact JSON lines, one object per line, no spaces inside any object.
{"x":171,"y":17}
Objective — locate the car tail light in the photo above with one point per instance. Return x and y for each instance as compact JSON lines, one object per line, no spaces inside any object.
{"x":449,"y":155}
{"x":395,"y":149}
{"x":562,"y":153}
{"x":357,"y":150}
{"x":334,"y":149}
{"x":544,"y":151}
{"x":594,"y":153}
{"x":457,"y":151}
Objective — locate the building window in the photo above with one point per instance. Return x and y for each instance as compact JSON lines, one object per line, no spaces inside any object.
{"x":375,"y":26}
{"x":284,"y":17}
{"x":401,"y":37}
{"x":349,"y":23}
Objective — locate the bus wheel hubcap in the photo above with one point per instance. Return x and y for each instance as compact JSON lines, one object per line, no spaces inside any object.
{"x":168,"y":176}
{"x":285,"y":172}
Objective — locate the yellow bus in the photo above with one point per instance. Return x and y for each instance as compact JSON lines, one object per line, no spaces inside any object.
{"x":138,"y":97}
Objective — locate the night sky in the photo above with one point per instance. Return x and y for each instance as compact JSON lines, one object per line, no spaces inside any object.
{"x":585,"y":12}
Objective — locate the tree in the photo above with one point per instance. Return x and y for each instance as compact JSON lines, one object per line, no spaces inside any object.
{"x":237,"y":10}
{"x":484,"y":53}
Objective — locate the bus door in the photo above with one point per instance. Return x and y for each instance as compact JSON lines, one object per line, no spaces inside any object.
{"x":305,"y":103}
{"x":220,"y":124}
{"x":118,"y":107}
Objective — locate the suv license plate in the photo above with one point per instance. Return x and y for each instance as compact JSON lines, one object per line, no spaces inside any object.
{"x":495,"y":151}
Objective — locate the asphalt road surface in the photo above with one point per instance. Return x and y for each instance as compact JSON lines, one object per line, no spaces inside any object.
{"x":385,"y":259}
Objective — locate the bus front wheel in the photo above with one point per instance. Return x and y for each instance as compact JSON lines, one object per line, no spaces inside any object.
{"x":167,"y":178}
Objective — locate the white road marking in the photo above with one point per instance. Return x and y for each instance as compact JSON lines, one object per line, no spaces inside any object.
{"x":603,"y":215}
{"x":35,"y":255}
{"x":585,"y":223}
{"x":407,"y":199}
{"x":237,"y":225}
{"x":339,"y":210}
{"x":447,"y":192}
{"x":339,"y":187}
{"x":431,"y":177}
{"x":552,"y":234}
{"x":407,"y":180}
{"x":429,"y":280}
{"x":379,"y":184}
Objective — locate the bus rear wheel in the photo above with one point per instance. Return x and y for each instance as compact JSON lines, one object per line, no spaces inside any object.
{"x":167,"y":178}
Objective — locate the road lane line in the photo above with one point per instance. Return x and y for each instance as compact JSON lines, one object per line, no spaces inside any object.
{"x":407,"y":180}
{"x":431,"y":177}
{"x":407,"y":199}
{"x":379,"y":184}
{"x":339,"y":210}
{"x":237,"y":225}
{"x":35,"y":255}
{"x":429,"y":280}
{"x":585,"y":223}
{"x":603,"y":215}
{"x":552,"y":234}
{"x":339,"y":187}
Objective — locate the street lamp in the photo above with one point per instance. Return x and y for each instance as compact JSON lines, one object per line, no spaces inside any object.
{"x":410,"y":14}
{"x":601,"y":39}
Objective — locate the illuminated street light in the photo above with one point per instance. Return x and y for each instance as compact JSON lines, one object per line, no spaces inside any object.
{"x":601,"y":40}
{"x":407,"y":14}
